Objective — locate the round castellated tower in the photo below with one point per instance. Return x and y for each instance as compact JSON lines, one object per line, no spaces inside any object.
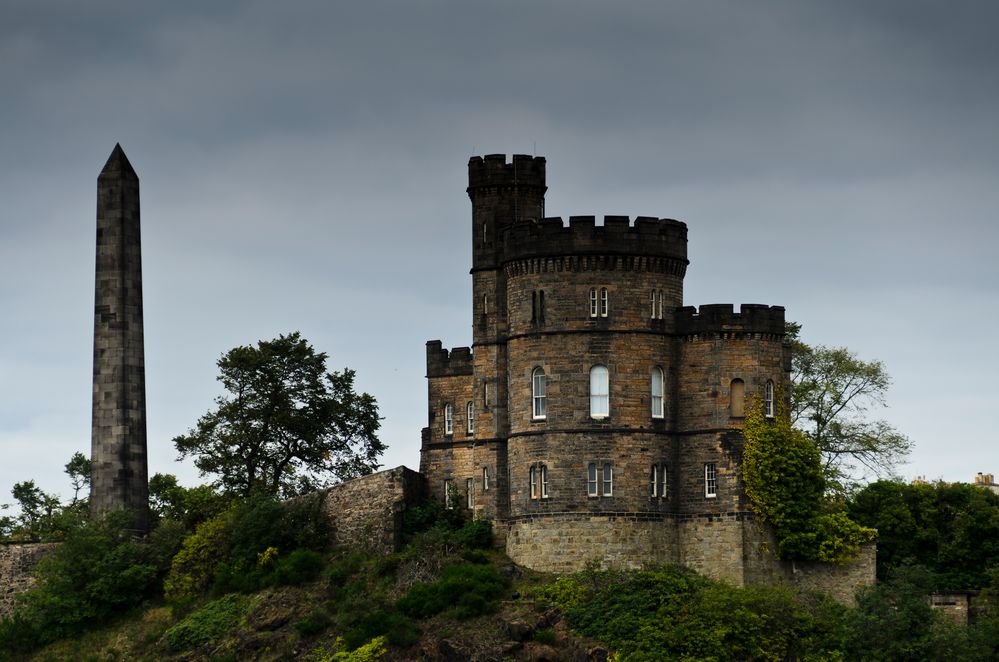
{"x":607,"y":416}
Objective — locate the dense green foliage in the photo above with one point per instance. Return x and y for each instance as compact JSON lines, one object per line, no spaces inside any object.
{"x":287,"y":426}
{"x":673,"y":614}
{"x":42,"y":516}
{"x":782,"y":475}
{"x":952,"y":530}
{"x":254,"y":543}
{"x":467,"y":589}
{"x":208,"y":623}
{"x":98,"y":572}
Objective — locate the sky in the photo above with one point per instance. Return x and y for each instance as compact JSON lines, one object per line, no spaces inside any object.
{"x":303,"y":167}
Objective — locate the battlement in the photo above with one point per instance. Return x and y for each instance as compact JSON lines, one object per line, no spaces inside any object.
{"x":444,"y":363}
{"x":721,"y":318}
{"x":647,"y":236}
{"x":493,"y":170}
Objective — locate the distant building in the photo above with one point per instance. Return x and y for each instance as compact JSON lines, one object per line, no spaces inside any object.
{"x":988,"y":481}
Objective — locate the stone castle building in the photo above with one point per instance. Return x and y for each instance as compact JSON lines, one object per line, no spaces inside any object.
{"x":595,"y":417}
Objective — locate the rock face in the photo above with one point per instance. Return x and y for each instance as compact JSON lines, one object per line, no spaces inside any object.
{"x":119,"y":478}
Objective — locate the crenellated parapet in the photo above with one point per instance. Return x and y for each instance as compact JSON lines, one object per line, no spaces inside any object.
{"x":492,"y":171}
{"x":648,"y":238}
{"x":720,"y":319}
{"x":444,"y":363}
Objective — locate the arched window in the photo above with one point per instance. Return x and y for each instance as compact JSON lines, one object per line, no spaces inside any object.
{"x":539,"y":393}
{"x":658,"y":388}
{"x":448,"y":419}
{"x":768,"y":399}
{"x":599,"y":392}
{"x":737,"y":398}
{"x":470,"y":416}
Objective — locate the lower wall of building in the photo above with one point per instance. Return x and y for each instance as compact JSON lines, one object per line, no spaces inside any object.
{"x":17,"y":561}
{"x":366,"y":513}
{"x":566,"y":543}
{"x":713,"y":546}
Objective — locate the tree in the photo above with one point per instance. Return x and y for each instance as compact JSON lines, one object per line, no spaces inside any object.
{"x":832,"y":395}
{"x":286,"y":425}
{"x":78,"y":470}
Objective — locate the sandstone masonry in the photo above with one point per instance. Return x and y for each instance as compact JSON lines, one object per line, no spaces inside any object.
{"x":595,"y":417}
{"x":17,"y":561}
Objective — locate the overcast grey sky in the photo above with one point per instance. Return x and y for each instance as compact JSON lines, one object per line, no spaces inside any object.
{"x":303,"y":167}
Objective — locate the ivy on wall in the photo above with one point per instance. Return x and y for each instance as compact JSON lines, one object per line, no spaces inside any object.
{"x":782,"y":474}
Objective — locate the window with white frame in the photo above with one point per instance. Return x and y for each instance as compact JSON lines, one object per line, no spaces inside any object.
{"x":485,"y":397}
{"x":533,"y":476}
{"x":539,"y":394}
{"x":710,"y":480}
{"x":485,"y":479}
{"x":659,"y":480}
{"x":544,"y":480}
{"x":599,"y":392}
{"x":599,"y":479}
{"x":737,"y":398}
{"x":603,"y":302}
{"x":448,"y":419}
{"x":470,"y":416}
{"x":768,"y":399}
{"x":593,"y":302}
{"x":658,"y":387}
{"x":470,"y":493}
{"x":656,"y":301}
{"x":539,"y":481}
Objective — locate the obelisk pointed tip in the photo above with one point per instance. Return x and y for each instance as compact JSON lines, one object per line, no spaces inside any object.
{"x":118,"y":164}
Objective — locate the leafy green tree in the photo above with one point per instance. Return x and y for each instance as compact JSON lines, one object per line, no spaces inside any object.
{"x":286,"y":425}
{"x":951,"y":529}
{"x":78,"y":469}
{"x":833,"y":396}
{"x":37,"y":510}
{"x":168,"y":499}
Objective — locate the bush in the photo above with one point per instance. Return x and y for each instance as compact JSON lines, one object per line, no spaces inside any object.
{"x":389,"y":624}
{"x":468,"y":590}
{"x":208,"y":623}
{"x":200,"y":557}
{"x":97,"y":573}
{"x":315,"y":622}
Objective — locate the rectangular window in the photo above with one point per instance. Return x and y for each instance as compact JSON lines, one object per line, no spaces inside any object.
{"x":485,"y":479}
{"x":448,"y":419}
{"x":653,"y":304}
{"x":710,"y":480}
{"x":654,"y":481}
{"x":485,"y":397}
{"x":599,"y":392}
{"x":593,"y":302}
{"x":470,"y":492}
{"x":591,"y":480}
{"x":664,"y":482}
{"x":660,"y":304}
{"x":657,"y":388}
{"x":603,"y":302}
{"x":541,"y":307}
{"x":544,"y":481}
{"x":534,"y":482}
{"x":470,"y":411}
{"x":534,"y":307}
{"x":448,"y":494}
{"x":608,"y":482}
{"x":539,"y":388}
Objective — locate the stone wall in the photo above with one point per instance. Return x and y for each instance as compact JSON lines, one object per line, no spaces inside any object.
{"x":566,"y":542}
{"x":17,"y":560}
{"x":366,"y":512}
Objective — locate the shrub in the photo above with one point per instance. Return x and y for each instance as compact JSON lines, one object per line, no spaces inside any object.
{"x":96,"y":574}
{"x":301,"y":566}
{"x":208,"y":623}
{"x":199,"y":559}
{"x":469,"y":590}
{"x":315,"y":622}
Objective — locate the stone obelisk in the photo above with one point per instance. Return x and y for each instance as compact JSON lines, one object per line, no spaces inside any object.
{"x":119,"y":479}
